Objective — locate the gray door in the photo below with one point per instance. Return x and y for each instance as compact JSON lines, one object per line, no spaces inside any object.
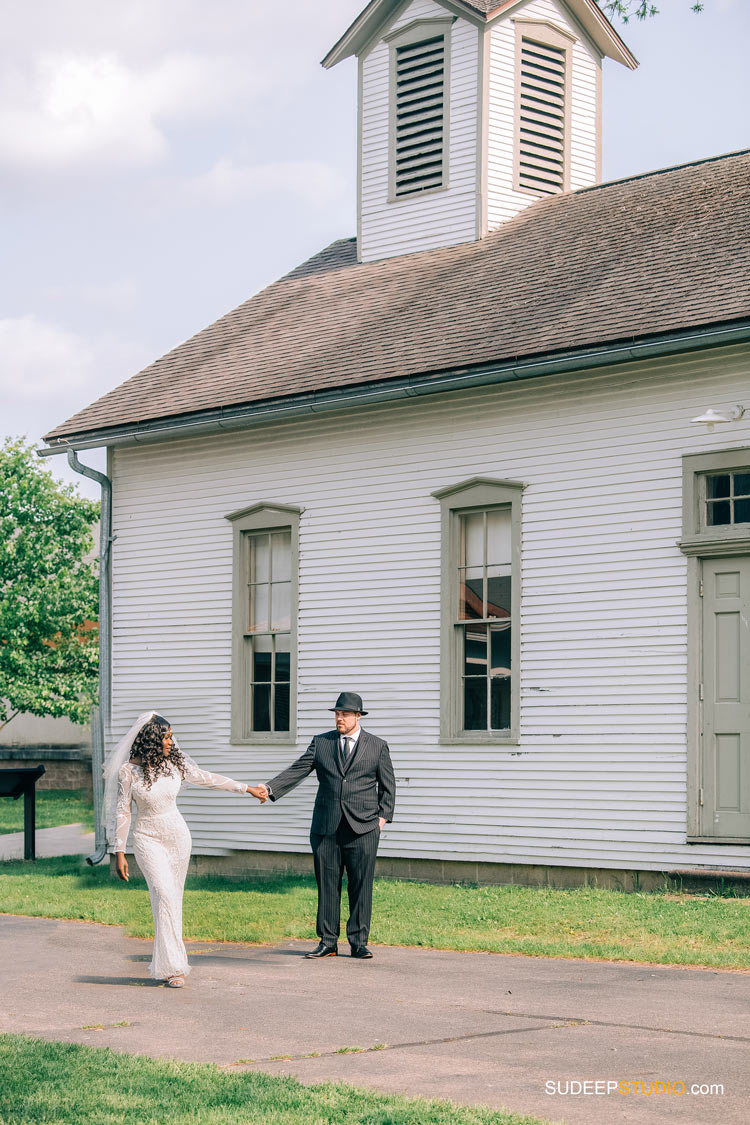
{"x":725,"y":733}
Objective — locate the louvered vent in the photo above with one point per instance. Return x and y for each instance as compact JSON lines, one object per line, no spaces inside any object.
{"x":541,"y":156}
{"x":420,"y":110}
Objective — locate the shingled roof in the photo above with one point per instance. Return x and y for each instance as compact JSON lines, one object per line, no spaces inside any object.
{"x":622,"y":261}
{"x":483,"y":6}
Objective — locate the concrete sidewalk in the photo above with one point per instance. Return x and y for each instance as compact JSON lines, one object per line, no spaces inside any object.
{"x":68,"y":839}
{"x":475,"y":1028}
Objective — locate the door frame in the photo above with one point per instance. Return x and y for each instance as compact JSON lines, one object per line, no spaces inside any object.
{"x":699,"y":543}
{"x":696,"y":809}
{"x":694,"y":709}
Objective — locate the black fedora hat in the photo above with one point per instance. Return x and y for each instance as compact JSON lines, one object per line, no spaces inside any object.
{"x":349,"y":701}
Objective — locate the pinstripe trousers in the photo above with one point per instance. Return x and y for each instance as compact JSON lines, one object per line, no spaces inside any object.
{"x":341,"y":851}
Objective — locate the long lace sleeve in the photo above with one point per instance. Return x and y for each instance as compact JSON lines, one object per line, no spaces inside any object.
{"x":122,"y":828}
{"x":196,"y":776}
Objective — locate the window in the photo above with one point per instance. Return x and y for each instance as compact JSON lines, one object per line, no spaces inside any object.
{"x":727,"y":499}
{"x":264,"y":623}
{"x":480,"y":610}
{"x":542,"y":108}
{"x":419,"y":107}
{"x":484,"y":617}
{"x":716,"y":502}
{"x":267,"y":634}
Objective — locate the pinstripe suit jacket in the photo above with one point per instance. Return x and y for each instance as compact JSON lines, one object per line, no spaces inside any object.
{"x":363,"y":788}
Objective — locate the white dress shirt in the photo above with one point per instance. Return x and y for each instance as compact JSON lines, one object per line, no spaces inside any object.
{"x":353,"y":739}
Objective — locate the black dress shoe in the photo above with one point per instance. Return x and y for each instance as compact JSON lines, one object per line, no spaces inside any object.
{"x":322,"y":950}
{"x":360,"y":952}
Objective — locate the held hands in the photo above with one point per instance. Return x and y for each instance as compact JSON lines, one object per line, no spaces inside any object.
{"x":261,"y":793}
{"x":258,"y":791}
{"x":122,"y":867}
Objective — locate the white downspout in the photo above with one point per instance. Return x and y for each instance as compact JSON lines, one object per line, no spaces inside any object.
{"x":101,"y":715}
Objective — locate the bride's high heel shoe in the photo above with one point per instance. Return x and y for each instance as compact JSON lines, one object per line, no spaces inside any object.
{"x":175,"y":982}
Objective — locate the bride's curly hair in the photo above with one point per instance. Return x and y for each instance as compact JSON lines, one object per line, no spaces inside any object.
{"x":148,"y":748}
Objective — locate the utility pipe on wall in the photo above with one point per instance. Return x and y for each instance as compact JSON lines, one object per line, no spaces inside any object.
{"x":101,"y":715}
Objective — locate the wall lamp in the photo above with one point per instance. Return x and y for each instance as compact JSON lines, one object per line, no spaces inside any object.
{"x":712,"y":417}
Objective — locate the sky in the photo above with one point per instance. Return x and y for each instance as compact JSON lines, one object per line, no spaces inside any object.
{"x":163,"y":160}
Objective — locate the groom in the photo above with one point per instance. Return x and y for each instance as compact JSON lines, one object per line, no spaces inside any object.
{"x":356,"y":797}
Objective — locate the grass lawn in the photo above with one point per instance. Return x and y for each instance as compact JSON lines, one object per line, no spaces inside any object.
{"x":668,"y":929}
{"x":53,"y":807}
{"x":64,"y":1083}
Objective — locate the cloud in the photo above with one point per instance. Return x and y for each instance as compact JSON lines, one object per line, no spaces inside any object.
{"x":68,"y":110}
{"x":254,"y":33}
{"x":71,"y":110}
{"x":48,"y":372}
{"x":96,"y":83}
{"x":311,"y":180}
{"x":115,"y":296}
{"x":38,"y":359}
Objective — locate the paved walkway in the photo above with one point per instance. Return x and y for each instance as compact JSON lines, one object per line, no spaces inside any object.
{"x":70,"y":839}
{"x":476,"y":1028}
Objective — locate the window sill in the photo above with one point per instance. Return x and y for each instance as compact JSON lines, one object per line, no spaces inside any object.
{"x":714,"y":546}
{"x":480,"y":738}
{"x":392,"y":198}
{"x":268,"y":740}
{"x":737,"y":841}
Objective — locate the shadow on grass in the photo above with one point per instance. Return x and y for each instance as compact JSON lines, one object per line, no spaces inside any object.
{"x":100,"y":875}
{"x":259,"y":884}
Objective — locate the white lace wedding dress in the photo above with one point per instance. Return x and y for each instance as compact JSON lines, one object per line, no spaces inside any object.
{"x":161,"y":845}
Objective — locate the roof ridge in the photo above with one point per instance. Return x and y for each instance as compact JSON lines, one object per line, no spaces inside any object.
{"x":662,"y":171}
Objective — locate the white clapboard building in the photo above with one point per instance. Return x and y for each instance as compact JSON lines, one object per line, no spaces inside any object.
{"x":455,"y":464}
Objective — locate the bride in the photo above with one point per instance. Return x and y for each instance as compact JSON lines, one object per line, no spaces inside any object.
{"x":148,"y":767}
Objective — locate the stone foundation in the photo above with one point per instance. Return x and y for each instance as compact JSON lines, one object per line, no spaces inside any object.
{"x":68,"y":768}
{"x":248,"y":865}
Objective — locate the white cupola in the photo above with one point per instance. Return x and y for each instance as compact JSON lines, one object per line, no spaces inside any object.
{"x":470,"y":110}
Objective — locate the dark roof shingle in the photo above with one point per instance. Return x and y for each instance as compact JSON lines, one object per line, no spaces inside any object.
{"x":638,"y":257}
{"x":483,"y":6}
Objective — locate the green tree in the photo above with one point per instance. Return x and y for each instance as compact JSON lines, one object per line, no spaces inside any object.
{"x":48,"y":591}
{"x":641,"y":9}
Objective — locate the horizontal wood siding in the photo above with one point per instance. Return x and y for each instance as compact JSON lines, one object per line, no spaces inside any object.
{"x":503,"y":201}
{"x":421,"y":221}
{"x":599,"y":777}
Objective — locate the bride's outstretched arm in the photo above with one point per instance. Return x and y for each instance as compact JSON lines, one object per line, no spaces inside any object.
{"x":196,"y":776}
